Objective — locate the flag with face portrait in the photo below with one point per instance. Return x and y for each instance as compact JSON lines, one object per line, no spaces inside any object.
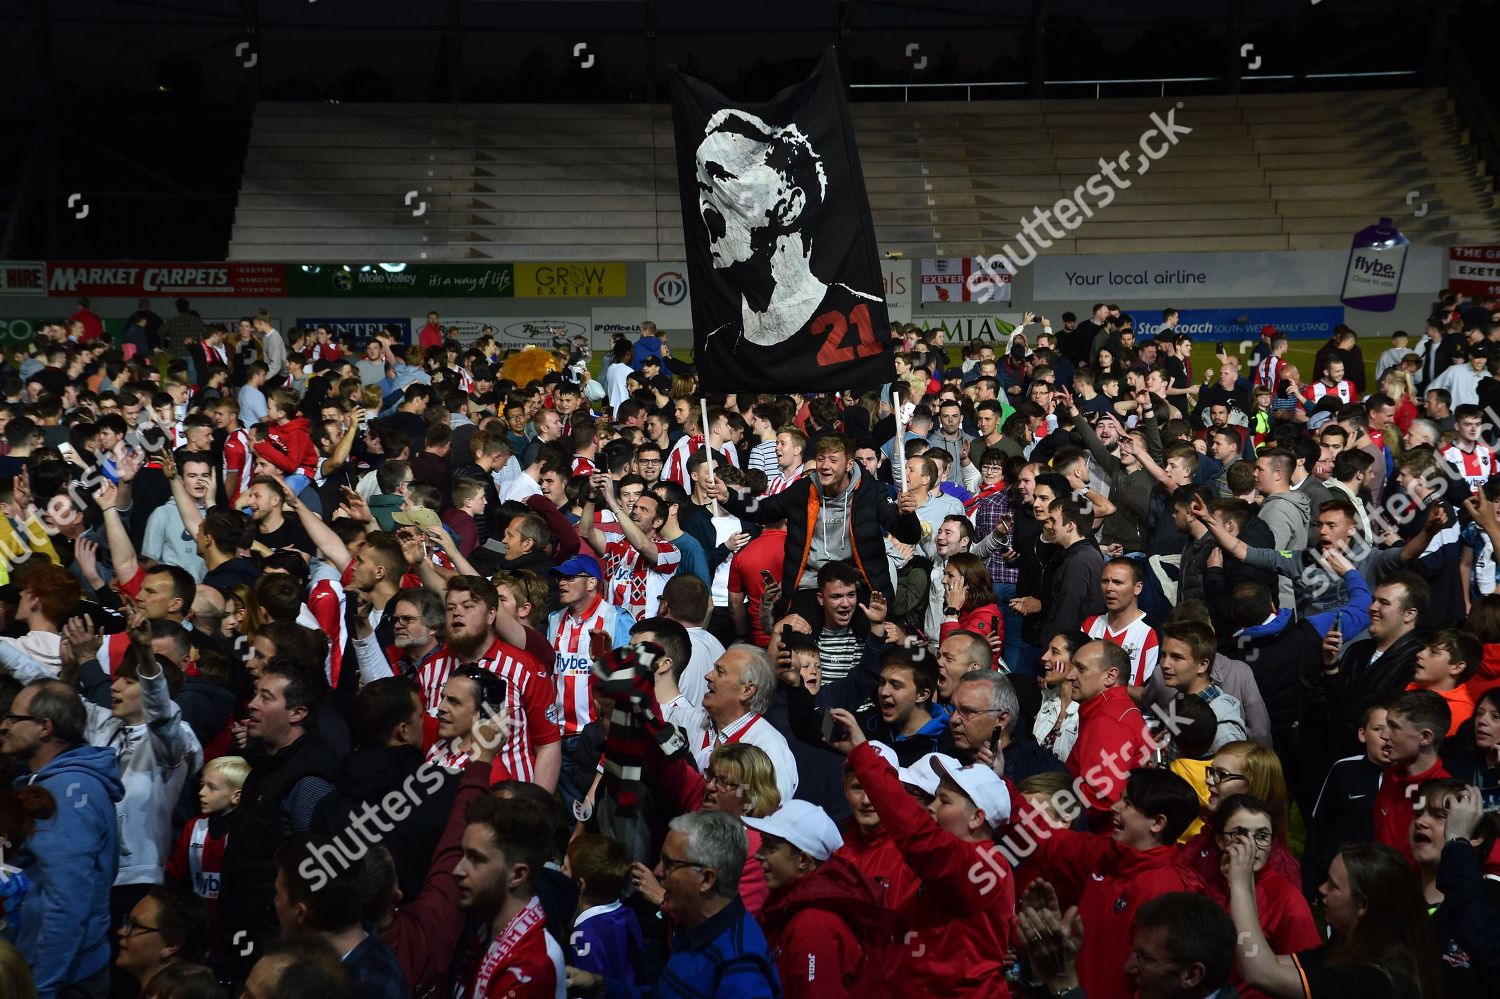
{"x":787,"y":290}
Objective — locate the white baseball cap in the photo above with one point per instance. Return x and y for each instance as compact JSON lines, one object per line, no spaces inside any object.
{"x":804,"y":825}
{"x":983,"y":786}
{"x":920,"y":774}
{"x":886,"y":753}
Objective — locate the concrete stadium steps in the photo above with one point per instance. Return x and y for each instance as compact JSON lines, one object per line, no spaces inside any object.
{"x":1281,"y":171}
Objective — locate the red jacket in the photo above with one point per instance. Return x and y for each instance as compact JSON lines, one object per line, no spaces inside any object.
{"x":430,"y":336}
{"x":983,"y":619}
{"x":880,"y":858}
{"x":950,"y":938}
{"x":427,"y":929}
{"x":1112,"y":741}
{"x":1108,"y":881}
{"x":1285,"y":918}
{"x":289,"y":447}
{"x":1487,"y":675}
{"x":1395,"y":807}
{"x":1202,"y":854}
{"x":827,"y":932}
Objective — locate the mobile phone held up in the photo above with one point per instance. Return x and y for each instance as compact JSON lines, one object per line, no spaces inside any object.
{"x":833,"y":731}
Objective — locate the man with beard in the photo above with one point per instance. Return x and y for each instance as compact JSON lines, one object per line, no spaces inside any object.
{"x":291,"y":770}
{"x":416,"y":617}
{"x":512,"y":955}
{"x":534,"y":752}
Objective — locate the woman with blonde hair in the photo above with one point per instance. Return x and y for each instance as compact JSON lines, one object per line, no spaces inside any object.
{"x":15,"y":976}
{"x":740,"y":781}
{"x":1397,"y":384}
{"x":1245,"y":768}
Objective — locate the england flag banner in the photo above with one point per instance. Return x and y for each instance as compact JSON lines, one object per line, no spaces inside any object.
{"x":787,"y":287}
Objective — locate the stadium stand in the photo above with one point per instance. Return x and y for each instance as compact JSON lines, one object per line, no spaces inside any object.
{"x":1261,"y":172}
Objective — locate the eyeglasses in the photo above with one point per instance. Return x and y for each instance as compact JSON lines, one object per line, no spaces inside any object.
{"x":1216,"y":776}
{"x":971,"y":712}
{"x":1260,"y":837}
{"x":719,"y":783}
{"x":132,"y":928}
{"x":12,"y":719}
{"x":668,"y":865}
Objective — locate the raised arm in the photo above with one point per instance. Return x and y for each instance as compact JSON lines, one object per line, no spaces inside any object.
{"x":327,"y":540}
{"x":192,"y":517}
{"x":345,"y":446}
{"x":121,"y":552}
{"x":637,"y":537}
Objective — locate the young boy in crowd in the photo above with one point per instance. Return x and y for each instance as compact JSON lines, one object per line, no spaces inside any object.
{"x":1187,"y":651}
{"x":606,"y":938}
{"x":1414,"y":727}
{"x":1342,"y":813}
{"x":197,"y":858}
{"x":808,"y":660}
{"x":1448,"y":660}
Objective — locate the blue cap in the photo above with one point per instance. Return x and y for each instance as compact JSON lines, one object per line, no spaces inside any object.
{"x":580,"y":565}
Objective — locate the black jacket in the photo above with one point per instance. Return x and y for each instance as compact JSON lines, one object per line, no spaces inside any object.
{"x":1069,"y":592}
{"x":1464,"y":925}
{"x":1344,"y":813}
{"x":368,"y":775}
{"x":1360,"y":683}
{"x":247,"y":915}
{"x":871,"y":516}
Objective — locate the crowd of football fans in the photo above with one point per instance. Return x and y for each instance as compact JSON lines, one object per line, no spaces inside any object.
{"x":1057,"y":667}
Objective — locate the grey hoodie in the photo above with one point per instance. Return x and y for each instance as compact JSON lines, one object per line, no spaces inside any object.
{"x":830,"y":539}
{"x":1288,"y":515}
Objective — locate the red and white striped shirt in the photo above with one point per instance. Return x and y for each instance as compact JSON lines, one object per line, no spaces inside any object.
{"x":1344,"y":390}
{"x":327,"y":602}
{"x":686,"y":446}
{"x":1475,"y":466}
{"x":239,"y":465}
{"x":1268,"y":371}
{"x":1138,"y":639}
{"x":574,"y":673}
{"x":779,"y":482}
{"x":634,"y":583}
{"x":584,"y":466}
{"x":530,"y":698}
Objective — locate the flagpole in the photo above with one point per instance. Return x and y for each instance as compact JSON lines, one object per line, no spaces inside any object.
{"x":708,"y":449}
{"x":900,"y":449}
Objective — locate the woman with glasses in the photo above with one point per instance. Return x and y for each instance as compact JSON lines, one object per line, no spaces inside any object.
{"x":1253,"y":769}
{"x":1379,"y":946}
{"x":1285,"y":917}
{"x":167,"y":927}
{"x":740,"y":781}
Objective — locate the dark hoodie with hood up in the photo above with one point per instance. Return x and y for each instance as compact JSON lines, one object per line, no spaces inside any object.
{"x":825,"y":931}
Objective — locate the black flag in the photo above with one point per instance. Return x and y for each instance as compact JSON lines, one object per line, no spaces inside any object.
{"x":787,"y":291}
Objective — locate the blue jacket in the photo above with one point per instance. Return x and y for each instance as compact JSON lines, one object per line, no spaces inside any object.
{"x":726,"y":957}
{"x":73,"y":857}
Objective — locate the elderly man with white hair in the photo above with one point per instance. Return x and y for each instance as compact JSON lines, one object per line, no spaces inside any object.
{"x":738,"y":693}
